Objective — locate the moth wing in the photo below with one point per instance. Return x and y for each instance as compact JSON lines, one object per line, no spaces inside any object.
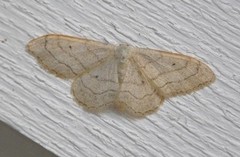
{"x":67,"y":56}
{"x":98,"y":88}
{"x":173,"y":74}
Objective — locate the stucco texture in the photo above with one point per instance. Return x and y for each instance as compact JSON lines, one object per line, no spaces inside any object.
{"x":40,"y":106}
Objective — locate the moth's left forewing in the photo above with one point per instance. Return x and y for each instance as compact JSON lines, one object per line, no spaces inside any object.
{"x":173,"y":74}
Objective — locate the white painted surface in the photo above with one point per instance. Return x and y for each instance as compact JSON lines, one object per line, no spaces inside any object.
{"x":39,"y":105}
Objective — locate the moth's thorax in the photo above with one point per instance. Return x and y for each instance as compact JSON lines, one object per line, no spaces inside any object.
{"x":122,"y":54}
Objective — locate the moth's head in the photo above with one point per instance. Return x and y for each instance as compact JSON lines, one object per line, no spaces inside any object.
{"x":123,"y":47}
{"x":122,"y":51}
{"x":124,"y":44}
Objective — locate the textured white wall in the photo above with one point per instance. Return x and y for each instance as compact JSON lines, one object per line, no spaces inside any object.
{"x":39,"y":105}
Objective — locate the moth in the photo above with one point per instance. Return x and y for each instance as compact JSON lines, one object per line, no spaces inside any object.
{"x":137,"y":80}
